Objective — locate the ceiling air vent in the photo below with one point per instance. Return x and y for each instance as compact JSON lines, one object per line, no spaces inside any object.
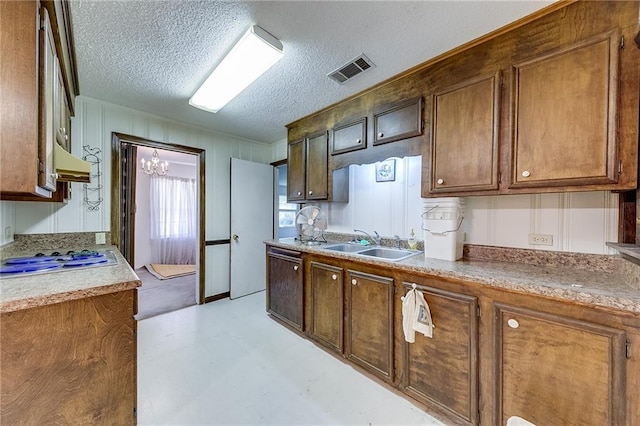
{"x":351,"y":69}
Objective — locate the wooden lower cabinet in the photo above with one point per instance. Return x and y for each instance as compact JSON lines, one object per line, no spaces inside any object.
{"x":326,"y":322}
{"x":285,"y":288}
{"x":554,"y":370}
{"x":70,"y":363}
{"x":442,"y":371}
{"x":369,"y":328}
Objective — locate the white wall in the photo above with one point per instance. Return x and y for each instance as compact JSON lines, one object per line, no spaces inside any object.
{"x":579,"y":222}
{"x":92,"y":125}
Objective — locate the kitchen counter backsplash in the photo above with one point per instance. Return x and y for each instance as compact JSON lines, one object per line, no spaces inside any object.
{"x":29,"y":243}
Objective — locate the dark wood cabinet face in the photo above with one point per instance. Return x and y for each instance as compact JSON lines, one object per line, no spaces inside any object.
{"x":349,"y":137}
{"x":296,"y":170}
{"x":317,"y":181}
{"x":449,"y":356}
{"x":370,"y":322}
{"x":564,"y":115}
{"x":464,"y":137}
{"x":285,"y":289}
{"x":555,"y":370}
{"x":399,"y":122}
{"x":327,"y":313}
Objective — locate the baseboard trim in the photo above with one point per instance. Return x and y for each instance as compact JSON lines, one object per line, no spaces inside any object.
{"x":217,"y":297}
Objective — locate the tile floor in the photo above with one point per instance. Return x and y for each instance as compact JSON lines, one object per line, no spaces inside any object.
{"x":228,"y":363}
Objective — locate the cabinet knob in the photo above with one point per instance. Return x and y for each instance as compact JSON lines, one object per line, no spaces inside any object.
{"x":334,"y":277}
{"x":354,"y":281}
{"x":526,"y":173}
{"x":513,"y":323}
{"x":358,"y":140}
{"x":310,"y":192}
{"x":380,"y":135}
{"x":299,"y":193}
{"x":55,"y":176}
{"x":295,"y":267}
{"x":440,"y":181}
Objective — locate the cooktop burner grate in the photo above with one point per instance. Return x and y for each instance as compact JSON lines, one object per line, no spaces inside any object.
{"x":41,"y":263}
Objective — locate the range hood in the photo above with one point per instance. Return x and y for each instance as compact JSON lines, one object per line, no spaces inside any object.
{"x":70,"y":168}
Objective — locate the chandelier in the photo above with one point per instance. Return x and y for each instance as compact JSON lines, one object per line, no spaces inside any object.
{"x":155,"y":166}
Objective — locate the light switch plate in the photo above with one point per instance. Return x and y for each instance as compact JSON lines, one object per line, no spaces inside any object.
{"x":101,"y":238}
{"x":8,"y":232}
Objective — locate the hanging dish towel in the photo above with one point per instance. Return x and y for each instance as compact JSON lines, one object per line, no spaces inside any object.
{"x":416,"y":315}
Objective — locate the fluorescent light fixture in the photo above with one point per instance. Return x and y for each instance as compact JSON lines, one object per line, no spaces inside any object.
{"x":255,"y":53}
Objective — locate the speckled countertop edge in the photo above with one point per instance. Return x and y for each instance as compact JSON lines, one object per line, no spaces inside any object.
{"x":17,"y":293}
{"x":612,"y":286}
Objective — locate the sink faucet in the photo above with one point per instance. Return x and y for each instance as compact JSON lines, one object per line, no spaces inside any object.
{"x":376,"y":239}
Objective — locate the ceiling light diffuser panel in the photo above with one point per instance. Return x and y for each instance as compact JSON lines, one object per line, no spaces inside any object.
{"x":254,"y":54}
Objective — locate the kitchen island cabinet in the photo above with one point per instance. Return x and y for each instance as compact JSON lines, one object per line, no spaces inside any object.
{"x":70,"y":363}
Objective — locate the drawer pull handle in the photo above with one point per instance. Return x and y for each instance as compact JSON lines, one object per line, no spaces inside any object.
{"x":513,"y":323}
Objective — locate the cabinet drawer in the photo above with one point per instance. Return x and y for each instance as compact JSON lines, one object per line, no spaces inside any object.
{"x":349,"y":137}
{"x":399,"y":122}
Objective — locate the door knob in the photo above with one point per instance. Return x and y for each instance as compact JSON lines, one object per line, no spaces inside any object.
{"x":235,"y":237}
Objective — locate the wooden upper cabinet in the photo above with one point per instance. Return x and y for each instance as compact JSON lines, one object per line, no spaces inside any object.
{"x":296,"y":170}
{"x":464,"y":137}
{"x":553,"y":370}
{"x":398,"y":122}
{"x":317,"y":173}
{"x":350,"y":136}
{"x":564,"y":115}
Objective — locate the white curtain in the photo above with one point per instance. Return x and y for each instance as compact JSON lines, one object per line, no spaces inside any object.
{"x":173,"y":220}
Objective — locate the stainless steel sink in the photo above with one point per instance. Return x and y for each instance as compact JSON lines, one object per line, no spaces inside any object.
{"x":385,"y":253}
{"x":347,"y":248}
{"x":388,"y":253}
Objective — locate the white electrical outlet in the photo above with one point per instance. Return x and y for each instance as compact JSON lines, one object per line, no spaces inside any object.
{"x":8,"y":232}
{"x":541,"y":239}
{"x":101,"y":238}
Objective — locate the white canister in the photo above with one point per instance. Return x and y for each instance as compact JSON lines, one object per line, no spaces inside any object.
{"x":442,"y":224}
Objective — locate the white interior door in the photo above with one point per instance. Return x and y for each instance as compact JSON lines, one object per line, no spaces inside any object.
{"x":251,"y":225}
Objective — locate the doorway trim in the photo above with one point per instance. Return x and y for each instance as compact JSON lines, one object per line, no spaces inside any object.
{"x":118,"y":140}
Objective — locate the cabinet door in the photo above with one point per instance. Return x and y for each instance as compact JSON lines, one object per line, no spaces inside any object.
{"x":63,"y":116}
{"x":442,"y":370}
{"x":327,"y":318}
{"x":557,"y":371}
{"x":399,"y":122}
{"x":296,"y":155}
{"x":285,"y":289}
{"x":464,"y":137}
{"x":370,"y":323}
{"x":48,"y":103}
{"x":349,"y":137}
{"x":317,"y":182}
{"x":564,"y":116}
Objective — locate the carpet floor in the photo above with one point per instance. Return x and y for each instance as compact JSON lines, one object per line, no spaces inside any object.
{"x":157,"y":297}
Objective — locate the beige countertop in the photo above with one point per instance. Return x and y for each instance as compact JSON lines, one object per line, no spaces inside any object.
{"x":613,"y":285}
{"x":17,"y":293}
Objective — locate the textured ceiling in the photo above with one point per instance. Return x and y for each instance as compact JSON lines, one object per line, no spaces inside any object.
{"x":152,"y":55}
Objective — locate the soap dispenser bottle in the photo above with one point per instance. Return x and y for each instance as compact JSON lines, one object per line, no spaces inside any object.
{"x":411,"y":241}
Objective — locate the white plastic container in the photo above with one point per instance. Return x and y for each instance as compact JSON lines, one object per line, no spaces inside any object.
{"x":442,"y":225}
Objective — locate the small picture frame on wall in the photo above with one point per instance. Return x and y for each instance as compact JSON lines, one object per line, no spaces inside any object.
{"x":386,"y":171}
